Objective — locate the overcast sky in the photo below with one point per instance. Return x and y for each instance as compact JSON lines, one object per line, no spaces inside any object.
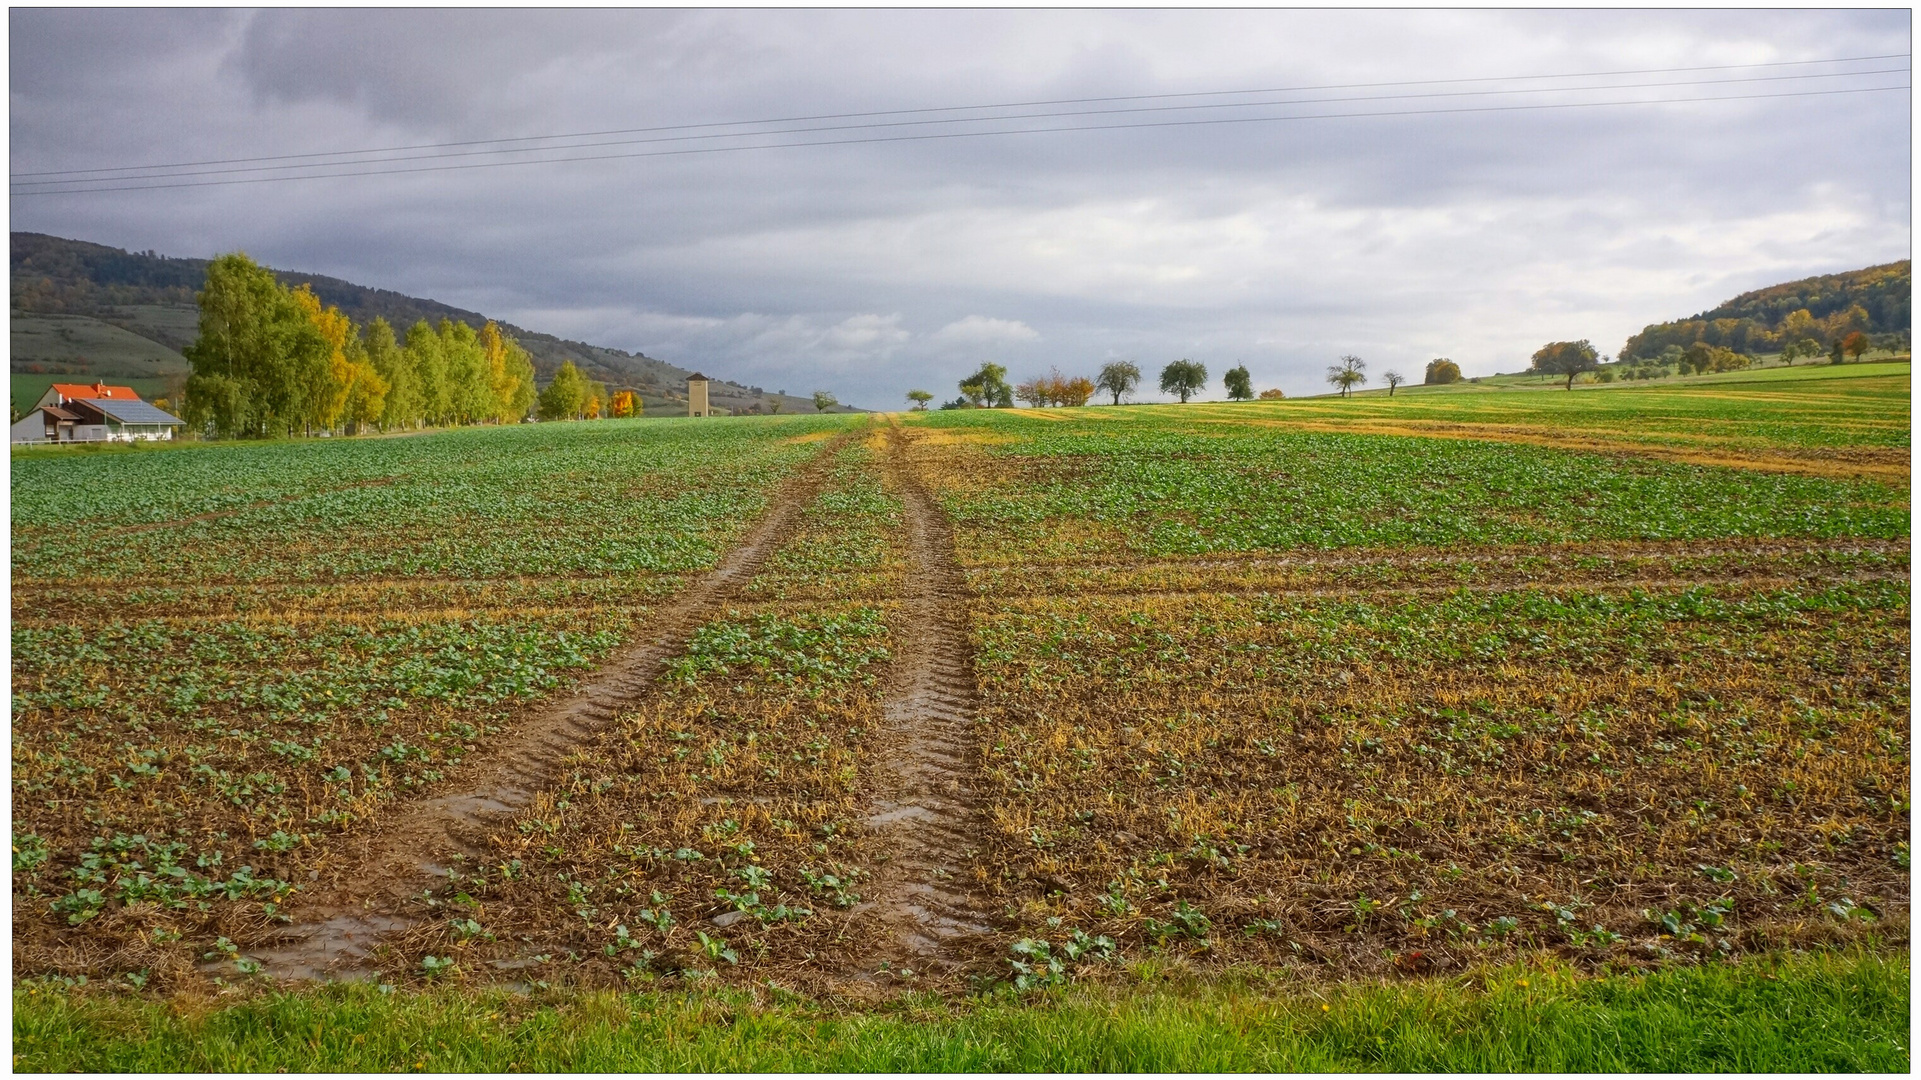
{"x":869,"y":269}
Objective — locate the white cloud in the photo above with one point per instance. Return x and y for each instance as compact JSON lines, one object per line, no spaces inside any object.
{"x":982,"y":330}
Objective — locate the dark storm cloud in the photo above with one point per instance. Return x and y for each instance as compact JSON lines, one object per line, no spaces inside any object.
{"x":872,"y":268}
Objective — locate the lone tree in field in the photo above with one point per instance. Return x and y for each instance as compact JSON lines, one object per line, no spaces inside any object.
{"x":1240,"y":385}
{"x":824,"y":401}
{"x":1392,"y":379}
{"x":1568,"y":358}
{"x":1441,"y":371}
{"x":1855,"y":344}
{"x":1184,"y":377}
{"x":1119,"y":379}
{"x":920,"y":398}
{"x":1348,"y":374}
{"x":988,"y":389}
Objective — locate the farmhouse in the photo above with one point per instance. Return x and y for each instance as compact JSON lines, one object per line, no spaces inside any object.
{"x":77,"y":412}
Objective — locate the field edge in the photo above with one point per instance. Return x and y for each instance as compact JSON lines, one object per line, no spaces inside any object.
{"x":1821,"y":1011}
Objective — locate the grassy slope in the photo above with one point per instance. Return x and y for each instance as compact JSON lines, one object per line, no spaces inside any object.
{"x":1810,"y":1013}
{"x":1532,"y":380}
{"x":1770,"y":364}
{"x":1854,"y":405}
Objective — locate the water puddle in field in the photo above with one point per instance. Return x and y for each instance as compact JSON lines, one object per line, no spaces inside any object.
{"x":337,"y":948}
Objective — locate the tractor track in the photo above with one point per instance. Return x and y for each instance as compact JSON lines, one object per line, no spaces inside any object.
{"x":340,"y":929}
{"x":925,"y":805}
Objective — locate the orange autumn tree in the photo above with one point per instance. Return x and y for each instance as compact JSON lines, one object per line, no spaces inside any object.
{"x":510,"y":371}
{"x":623,"y":406}
{"x":344,"y":371}
{"x":1054,"y":388}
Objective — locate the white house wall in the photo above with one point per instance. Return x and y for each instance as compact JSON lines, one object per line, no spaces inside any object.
{"x":30,"y":429}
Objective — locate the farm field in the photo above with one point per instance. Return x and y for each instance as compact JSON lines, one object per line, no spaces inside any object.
{"x":1848,"y":420}
{"x":230,"y":660}
{"x":1763,"y":364}
{"x":1613,"y":684}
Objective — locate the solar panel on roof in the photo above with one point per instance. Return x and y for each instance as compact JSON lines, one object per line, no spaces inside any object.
{"x":134,"y":412}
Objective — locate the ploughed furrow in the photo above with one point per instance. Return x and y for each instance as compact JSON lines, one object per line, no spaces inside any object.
{"x":925,"y":804}
{"x":1605,"y":586}
{"x":342,"y":925}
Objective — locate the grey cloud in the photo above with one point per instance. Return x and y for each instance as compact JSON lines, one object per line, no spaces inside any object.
{"x":876,"y":267}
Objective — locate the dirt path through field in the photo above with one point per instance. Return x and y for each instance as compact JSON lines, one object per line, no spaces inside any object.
{"x":925,"y":806}
{"x":341,"y":923}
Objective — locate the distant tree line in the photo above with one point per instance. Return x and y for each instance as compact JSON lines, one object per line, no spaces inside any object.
{"x":1810,"y":317}
{"x":988,"y":387}
{"x":272,"y":361}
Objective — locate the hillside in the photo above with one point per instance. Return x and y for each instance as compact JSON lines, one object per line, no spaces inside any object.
{"x":1874,"y":300}
{"x":87,"y":309}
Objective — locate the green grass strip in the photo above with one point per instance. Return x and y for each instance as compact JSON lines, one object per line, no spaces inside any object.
{"x":1835,"y":1012}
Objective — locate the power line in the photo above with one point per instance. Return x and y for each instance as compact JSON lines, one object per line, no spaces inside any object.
{"x":21,"y":186}
{"x":74,"y":174}
{"x":964,"y":135}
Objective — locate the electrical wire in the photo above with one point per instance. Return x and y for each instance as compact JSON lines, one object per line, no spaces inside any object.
{"x":938,"y":136}
{"x":24,"y":186}
{"x":976,"y":108}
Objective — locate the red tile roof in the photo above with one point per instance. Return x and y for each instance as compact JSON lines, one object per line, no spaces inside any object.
{"x":82,"y":391}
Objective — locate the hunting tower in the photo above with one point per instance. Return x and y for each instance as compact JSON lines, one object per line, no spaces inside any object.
{"x":697,"y":395}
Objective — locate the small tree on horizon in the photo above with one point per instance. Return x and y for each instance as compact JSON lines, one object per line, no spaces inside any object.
{"x":824,"y":401}
{"x":1347,"y":374}
{"x":1240,"y":385}
{"x":1392,"y":379}
{"x":920,"y":398}
{"x":1035,"y":392}
{"x":1441,"y":371}
{"x":1568,"y":358}
{"x":1183,"y":377}
{"x":987,"y":388}
{"x":1119,"y":379}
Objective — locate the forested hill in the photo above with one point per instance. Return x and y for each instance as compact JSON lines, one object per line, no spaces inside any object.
{"x":152,"y":295}
{"x":1874,"y":300}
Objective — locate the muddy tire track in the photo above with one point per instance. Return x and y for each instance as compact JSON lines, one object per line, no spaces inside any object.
{"x":339,"y":930}
{"x":925,"y":807}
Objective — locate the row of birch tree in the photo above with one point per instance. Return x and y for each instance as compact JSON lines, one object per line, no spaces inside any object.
{"x":273,"y":361}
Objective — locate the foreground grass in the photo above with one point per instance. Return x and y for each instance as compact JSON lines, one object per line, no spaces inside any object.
{"x":1814,"y":1013}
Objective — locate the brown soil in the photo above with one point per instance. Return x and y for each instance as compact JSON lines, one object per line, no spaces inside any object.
{"x":926,"y":807}
{"x":337,"y":929}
